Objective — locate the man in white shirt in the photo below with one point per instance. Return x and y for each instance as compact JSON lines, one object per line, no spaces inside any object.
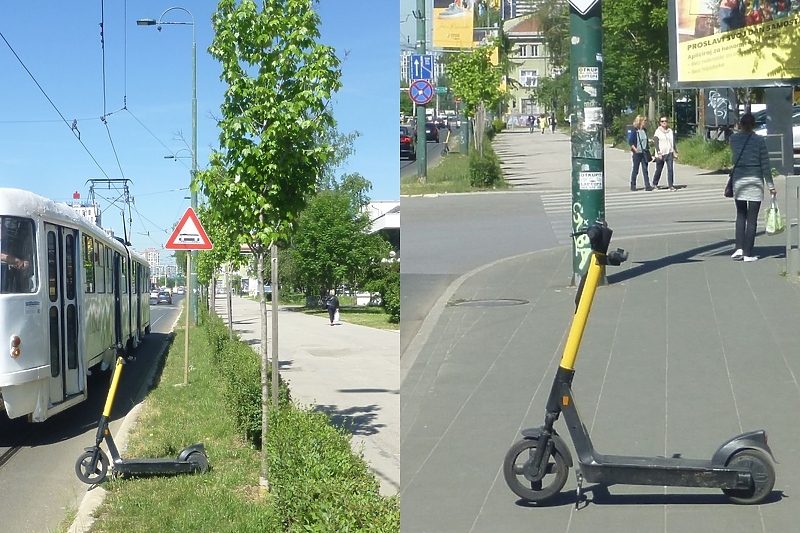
{"x":665,"y":152}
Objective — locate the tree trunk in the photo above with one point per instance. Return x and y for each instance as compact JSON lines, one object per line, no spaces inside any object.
{"x":274,"y":283}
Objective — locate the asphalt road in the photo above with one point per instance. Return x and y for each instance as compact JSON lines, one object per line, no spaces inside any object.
{"x":434,"y":151}
{"x":39,"y":482}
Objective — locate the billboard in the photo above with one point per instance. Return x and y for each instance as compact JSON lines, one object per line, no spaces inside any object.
{"x":453,"y":23}
{"x":736,"y":42}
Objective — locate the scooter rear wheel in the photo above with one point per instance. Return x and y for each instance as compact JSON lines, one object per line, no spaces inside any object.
{"x":516,"y":470}
{"x":83,"y":467}
{"x":763,"y":472}
{"x":199,"y":460}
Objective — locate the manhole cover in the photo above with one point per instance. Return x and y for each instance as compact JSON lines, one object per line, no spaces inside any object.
{"x":499,"y":302}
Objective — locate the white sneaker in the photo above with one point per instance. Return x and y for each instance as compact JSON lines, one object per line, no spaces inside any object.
{"x":750,"y":259}
{"x":737,"y":254}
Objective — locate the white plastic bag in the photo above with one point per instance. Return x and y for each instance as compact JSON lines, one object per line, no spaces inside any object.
{"x":773,"y":220}
{"x":336,"y":317}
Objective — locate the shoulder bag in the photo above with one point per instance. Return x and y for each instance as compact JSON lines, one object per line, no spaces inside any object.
{"x":728,"y":193}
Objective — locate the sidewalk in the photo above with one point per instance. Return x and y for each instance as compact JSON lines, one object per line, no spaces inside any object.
{"x":684,"y":348}
{"x":351,"y":372}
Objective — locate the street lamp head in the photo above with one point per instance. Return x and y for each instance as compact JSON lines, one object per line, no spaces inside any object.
{"x":146,"y":22}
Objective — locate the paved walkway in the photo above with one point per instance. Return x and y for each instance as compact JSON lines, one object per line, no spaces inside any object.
{"x":684,"y":348}
{"x":349,"y":371}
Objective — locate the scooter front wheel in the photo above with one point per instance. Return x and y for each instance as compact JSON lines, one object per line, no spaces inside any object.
{"x":761,"y":469}
{"x":517,"y":471}
{"x":88,"y":474}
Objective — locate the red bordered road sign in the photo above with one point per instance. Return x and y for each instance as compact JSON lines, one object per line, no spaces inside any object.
{"x":189,"y":234}
{"x":421,"y":92}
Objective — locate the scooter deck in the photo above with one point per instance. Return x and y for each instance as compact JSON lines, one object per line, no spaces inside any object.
{"x":155,"y":466}
{"x":669,"y":471}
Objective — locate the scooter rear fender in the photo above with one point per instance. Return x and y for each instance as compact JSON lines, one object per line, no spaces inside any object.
{"x":560,"y":444}
{"x":752,"y":439}
{"x":191,"y":449}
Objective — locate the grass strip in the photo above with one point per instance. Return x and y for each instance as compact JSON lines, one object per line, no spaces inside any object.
{"x":318,"y":484}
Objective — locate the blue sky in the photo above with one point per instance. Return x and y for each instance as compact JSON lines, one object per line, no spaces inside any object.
{"x":143,"y":89}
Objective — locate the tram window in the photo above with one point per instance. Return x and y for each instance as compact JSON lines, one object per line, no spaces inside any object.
{"x":17,"y":256}
{"x":99,"y":267}
{"x":124,"y":279}
{"x":88,"y":262}
{"x":52,"y":266}
{"x":55,"y":329}
{"x":69,"y":245}
{"x":109,"y":267}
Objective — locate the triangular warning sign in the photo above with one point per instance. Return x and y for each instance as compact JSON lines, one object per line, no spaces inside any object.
{"x":189,"y":234}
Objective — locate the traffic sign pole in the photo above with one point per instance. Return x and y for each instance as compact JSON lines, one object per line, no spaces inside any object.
{"x":422,"y":155}
{"x":586,"y":124}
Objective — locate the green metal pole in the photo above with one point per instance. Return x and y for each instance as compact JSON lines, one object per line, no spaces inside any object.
{"x":587,"y":131}
{"x":422,"y":155}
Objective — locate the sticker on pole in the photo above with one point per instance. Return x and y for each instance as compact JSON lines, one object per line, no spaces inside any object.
{"x":590,"y":181}
{"x":189,"y":234}
{"x":582,"y":6}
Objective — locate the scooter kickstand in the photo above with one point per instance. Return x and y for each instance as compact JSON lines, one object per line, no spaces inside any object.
{"x":578,"y":495}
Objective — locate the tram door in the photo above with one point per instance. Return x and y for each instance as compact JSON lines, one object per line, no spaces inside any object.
{"x":62,"y":309}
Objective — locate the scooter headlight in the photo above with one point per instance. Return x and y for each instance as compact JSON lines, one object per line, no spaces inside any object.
{"x":15,"y":342}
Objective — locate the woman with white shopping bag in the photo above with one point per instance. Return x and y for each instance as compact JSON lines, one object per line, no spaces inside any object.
{"x":750,"y":172}
{"x":333,"y":307}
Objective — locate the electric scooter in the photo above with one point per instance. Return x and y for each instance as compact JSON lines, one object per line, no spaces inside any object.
{"x":92,"y":466}
{"x":536,"y":467}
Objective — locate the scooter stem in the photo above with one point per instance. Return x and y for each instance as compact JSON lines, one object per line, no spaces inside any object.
{"x":582,"y":313}
{"x":112,"y":391}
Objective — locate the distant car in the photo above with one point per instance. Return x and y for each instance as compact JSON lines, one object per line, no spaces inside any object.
{"x":762,"y":129}
{"x":431,"y":132}
{"x":154,"y":297}
{"x":164,"y":297}
{"x":179,"y":290}
{"x":441,"y":123}
{"x":408,"y":146}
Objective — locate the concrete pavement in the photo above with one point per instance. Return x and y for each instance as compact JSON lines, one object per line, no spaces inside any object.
{"x":351,"y":372}
{"x":684,"y":348}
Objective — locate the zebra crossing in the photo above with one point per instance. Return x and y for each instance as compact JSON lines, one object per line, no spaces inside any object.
{"x":642,"y":213}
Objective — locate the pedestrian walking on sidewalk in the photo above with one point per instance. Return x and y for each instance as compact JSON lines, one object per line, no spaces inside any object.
{"x":332,"y":303}
{"x":530,"y":124}
{"x":751,"y":170}
{"x":552,"y":122}
{"x":640,"y":149}
{"x":664,"y":140}
{"x":543,"y":123}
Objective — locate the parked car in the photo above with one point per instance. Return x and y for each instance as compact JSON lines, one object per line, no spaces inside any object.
{"x":164,"y":297}
{"x":408,"y":146}
{"x":431,"y":132}
{"x":762,"y":129}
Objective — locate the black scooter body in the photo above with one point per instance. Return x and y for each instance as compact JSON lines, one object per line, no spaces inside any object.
{"x":742,"y":466}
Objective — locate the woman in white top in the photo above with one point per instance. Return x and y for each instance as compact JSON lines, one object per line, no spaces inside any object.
{"x":665,"y":152}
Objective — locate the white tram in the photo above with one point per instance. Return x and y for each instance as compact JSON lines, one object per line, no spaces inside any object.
{"x":70,"y":295}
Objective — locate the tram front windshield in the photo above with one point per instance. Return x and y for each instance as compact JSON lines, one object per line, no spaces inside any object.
{"x":17,"y":256}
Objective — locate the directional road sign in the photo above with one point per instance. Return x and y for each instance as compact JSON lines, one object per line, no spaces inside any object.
{"x":421,"y":92}
{"x":421,"y":67}
{"x":582,"y":6}
{"x":189,"y":234}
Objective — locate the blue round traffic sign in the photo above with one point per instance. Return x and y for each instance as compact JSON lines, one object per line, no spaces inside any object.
{"x":421,"y":92}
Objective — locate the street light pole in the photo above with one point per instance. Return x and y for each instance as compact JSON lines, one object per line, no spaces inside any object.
{"x":192,"y":274}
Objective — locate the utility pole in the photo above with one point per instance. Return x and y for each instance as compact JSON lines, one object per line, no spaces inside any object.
{"x":587,"y":131}
{"x":422,"y":156}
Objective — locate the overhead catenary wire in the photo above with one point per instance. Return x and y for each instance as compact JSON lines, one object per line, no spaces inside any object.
{"x":72,"y":126}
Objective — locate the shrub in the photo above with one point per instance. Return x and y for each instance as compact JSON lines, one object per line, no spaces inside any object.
{"x":484,"y":171}
{"x":240,"y":367}
{"x":387,"y":283}
{"x":318,"y":483}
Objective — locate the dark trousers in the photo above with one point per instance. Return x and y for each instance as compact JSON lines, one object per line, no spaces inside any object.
{"x":667,"y":159}
{"x":746,"y":221}
{"x":638,"y":159}
{"x":331,"y":312}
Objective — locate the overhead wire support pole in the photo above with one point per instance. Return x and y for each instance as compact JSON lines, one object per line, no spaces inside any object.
{"x":422,"y":157}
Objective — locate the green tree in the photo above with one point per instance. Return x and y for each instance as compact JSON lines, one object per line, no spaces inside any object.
{"x":275,"y":115}
{"x":477,"y":82}
{"x":332,"y":244}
